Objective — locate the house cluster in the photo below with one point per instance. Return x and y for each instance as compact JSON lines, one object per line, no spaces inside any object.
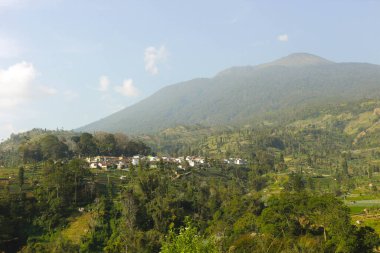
{"x":107,"y":162}
{"x":110,"y":162}
{"x":236,"y":161}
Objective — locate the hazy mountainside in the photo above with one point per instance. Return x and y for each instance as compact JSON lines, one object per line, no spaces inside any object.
{"x":241,"y":94}
{"x":328,"y":128}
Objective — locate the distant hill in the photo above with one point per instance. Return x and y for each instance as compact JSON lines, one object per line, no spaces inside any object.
{"x":242,"y":95}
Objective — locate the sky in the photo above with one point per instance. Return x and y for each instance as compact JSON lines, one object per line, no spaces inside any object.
{"x":67,"y":63}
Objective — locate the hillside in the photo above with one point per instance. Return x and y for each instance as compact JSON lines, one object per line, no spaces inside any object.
{"x":240,"y":95}
{"x":323,"y":156}
{"x":329,"y":128}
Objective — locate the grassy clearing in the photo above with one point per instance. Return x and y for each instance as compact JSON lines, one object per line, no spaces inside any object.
{"x":357,"y":206}
{"x":356,"y":210}
{"x":363,"y":121}
{"x":363,"y":196}
{"x":371,"y":220}
{"x":8,"y":172}
{"x":79,"y":227}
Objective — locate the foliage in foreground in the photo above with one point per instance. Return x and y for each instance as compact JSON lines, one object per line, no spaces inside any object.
{"x":225,"y":213}
{"x":188,"y":240}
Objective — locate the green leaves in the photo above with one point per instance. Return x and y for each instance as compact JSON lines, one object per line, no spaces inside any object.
{"x":188,"y":240}
{"x":53,"y":148}
{"x":323,"y":216}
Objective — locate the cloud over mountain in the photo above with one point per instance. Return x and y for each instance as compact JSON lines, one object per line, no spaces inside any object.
{"x":152,"y":57}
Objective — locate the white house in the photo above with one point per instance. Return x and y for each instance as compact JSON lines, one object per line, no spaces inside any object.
{"x":153,"y":159}
{"x":239,"y":161}
{"x":120,"y":165}
{"x":135,"y":161}
{"x":179,"y":160}
{"x":95,"y":165}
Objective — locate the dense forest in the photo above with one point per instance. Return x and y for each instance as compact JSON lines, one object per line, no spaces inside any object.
{"x":38,"y":145}
{"x":310,"y":184}
{"x":215,"y":210}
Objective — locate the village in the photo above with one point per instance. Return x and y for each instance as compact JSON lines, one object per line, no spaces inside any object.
{"x":108,"y":163}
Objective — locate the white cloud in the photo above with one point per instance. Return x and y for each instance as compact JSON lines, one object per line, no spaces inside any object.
{"x":283,"y":37}
{"x":15,"y":84}
{"x":9,"y":48}
{"x":104,"y":83}
{"x":152,"y":57}
{"x":18,"y":89}
{"x":127,"y":89}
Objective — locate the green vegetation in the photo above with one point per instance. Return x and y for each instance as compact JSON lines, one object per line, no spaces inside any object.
{"x":38,"y":145}
{"x":310,"y":184}
{"x":188,"y":240}
{"x":78,"y":227}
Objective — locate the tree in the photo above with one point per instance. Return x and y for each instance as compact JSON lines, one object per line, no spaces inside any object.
{"x":31,"y":152}
{"x":87,"y":145}
{"x":136,"y":147}
{"x":367,"y":239}
{"x":295,"y":183}
{"x":266,"y":161}
{"x":79,"y":172}
{"x":60,"y":190}
{"x":21,"y":177}
{"x":188,"y":240}
{"x":345,"y":167}
{"x":109,"y":145}
{"x":281,"y":217}
{"x":53,"y":148}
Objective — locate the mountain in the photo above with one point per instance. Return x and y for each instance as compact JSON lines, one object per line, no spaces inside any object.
{"x":241,"y":95}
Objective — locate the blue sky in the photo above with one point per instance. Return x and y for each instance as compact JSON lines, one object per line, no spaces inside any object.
{"x":64,"y":64}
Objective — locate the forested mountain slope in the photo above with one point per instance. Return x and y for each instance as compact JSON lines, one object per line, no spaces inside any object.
{"x":242,"y":94}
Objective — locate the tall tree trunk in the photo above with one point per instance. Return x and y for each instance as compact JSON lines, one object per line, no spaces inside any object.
{"x":75,"y":195}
